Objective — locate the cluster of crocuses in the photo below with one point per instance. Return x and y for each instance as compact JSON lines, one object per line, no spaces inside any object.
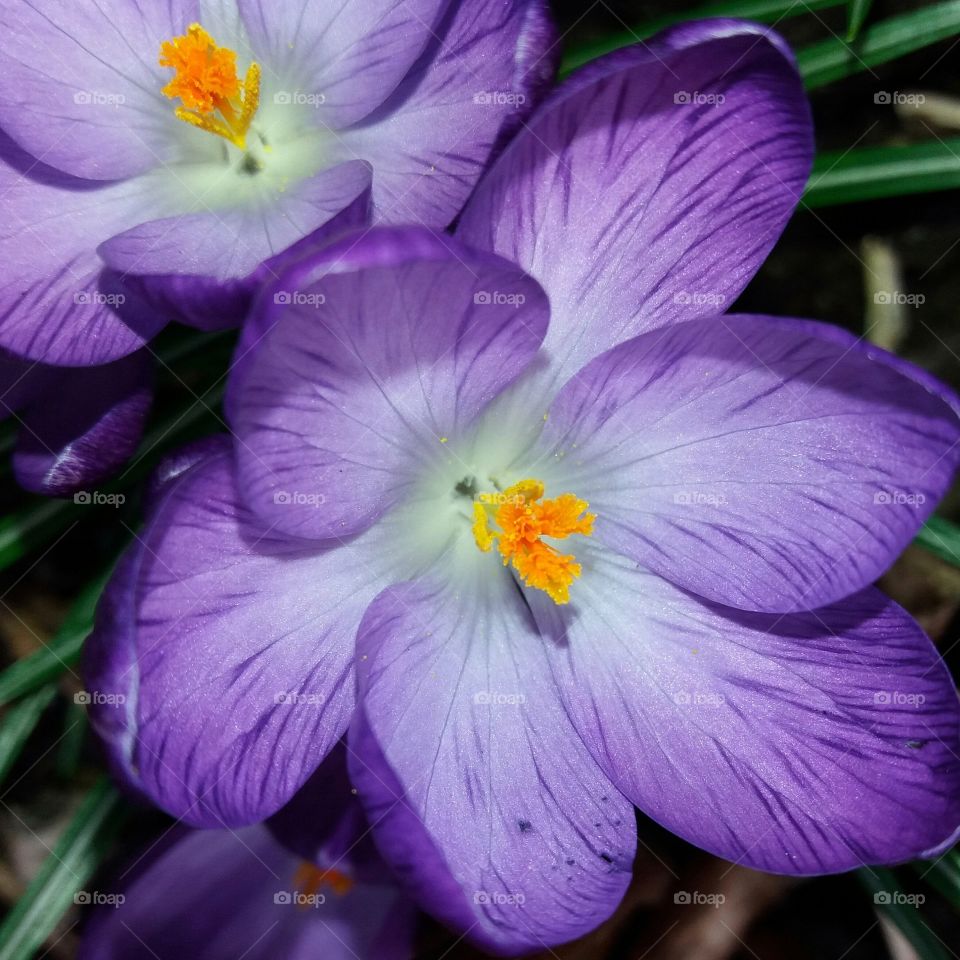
{"x":513,"y":515}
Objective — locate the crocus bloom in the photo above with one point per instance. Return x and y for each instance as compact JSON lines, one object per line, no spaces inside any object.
{"x":547,"y":568}
{"x":160,"y":156}
{"x":223,"y":894}
{"x":75,"y":426}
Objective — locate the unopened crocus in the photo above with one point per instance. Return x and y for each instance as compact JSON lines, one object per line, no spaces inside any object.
{"x":548,"y":563}
{"x":75,"y":426}
{"x":158,"y":158}
{"x":225,"y":894}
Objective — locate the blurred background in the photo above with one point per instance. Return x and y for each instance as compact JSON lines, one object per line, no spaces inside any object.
{"x":874,"y":248}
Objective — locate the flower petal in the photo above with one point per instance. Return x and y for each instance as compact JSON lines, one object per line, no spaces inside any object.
{"x":763,"y":462}
{"x":481,"y":795}
{"x":80,"y":82}
{"x":84,"y":426}
{"x":651,"y":186}
{"x":211,"y":304}
{"x":224,"y":894}
{"x":58,"y":304}
{"x":228,"y":651}
{"x":807,"y":743}
{"x":358,"y":365}
{"x":429,"y":142}
{"x":351,"y":54}
{"x":230,"y":244}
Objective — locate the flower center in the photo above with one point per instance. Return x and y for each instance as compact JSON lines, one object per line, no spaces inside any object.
{"x":310,"y":879}
{"x":206,"y":81}
{"x":523,"y":518}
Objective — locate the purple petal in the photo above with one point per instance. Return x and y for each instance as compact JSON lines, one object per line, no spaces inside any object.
{"x":480,"y":792}
{"x":210,"y":304}
{"x":215,"y":893}
{"x":85,"y":426}
{"x":229,"y":651}
{"x":353,"y":55}
{"x":58,"y":304}
{"x":429,"y":143}
{"x":805,"y":743}
{"x":80,"y":82}
{"x":762,"y":462}
{"x":230,"y":244}
{"x":360,"y":363}
{"x":651,"y":186}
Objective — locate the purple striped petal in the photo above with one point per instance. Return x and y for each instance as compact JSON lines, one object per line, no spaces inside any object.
{"x":485,"y":69}
{"x":80,"y":82}
{"x":58,"y":304}
{"x":230,"y":244}
{"x":482,"y":798}
{"x":359,"y":364}
{"x":83,"y":426}
{"x":352,"y":54}
{"x":651,"y":186}
{"x":804,"y":743}
{"x":767,"y":463}
{"x":228,"y":650}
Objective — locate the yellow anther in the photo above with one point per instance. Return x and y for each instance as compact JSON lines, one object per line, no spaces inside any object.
{"x":206,"y":82}
{"x":523,"y":518}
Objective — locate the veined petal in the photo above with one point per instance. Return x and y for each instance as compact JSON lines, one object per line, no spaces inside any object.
{"x":763,"y":462}
{"x":483,"y":72}
{"x":352,"y":54}
{"x":229,"y":244}
{"x":804,"y":743}
{"x":80,"y":83}
{"x":230,"y":650}
{"x":359,"y":364}
{"x":481,"y":796}
{"x":83,"y":425}
{"x":58,"y":304}
{"x":651,"y":186}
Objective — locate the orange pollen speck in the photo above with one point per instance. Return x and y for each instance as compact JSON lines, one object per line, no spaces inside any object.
{"x":524,"y":517}
{"x":311,"y":879}
{"x":206,"y":82}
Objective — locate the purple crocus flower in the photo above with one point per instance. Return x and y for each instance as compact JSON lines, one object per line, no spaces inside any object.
{"x":546,"y":568}
{"x":157,"y":155}
{"x":224,"y":894}
{"x":75,"y":426}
